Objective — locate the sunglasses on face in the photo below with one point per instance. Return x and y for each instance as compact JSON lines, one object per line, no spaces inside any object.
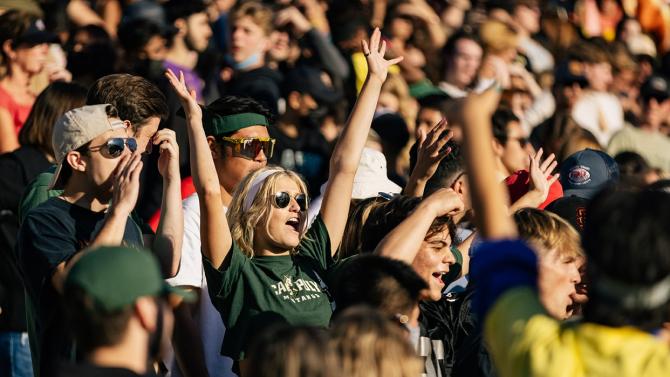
{"x":283,"y":199}
{"x":250,"y":147}
{"x":114,"y":147}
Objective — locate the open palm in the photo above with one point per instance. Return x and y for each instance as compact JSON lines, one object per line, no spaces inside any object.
{"x":186,"y":96}
{"x":374,"y":54}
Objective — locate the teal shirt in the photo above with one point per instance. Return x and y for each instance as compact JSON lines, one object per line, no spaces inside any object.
{"x":254,"y":292}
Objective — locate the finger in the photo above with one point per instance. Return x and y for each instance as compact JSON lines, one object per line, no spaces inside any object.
{"x":135,"y":160}
{"x":135,"y":174}
{"x":374,"y":40}
{"x":382,"y":50}
{"x":366,"y":49}
{"x":551,"y":158}
{"x":445,"y":153}
{"x":538,"y":155}
{"x":553,"y":179}
{"x":550,"y":168}
{"x":396,"y":60}
{"x":422,"y":137}
{"x":121,"y":166}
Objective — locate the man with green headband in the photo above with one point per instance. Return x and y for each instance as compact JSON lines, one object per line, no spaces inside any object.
{"x":237,"y":132}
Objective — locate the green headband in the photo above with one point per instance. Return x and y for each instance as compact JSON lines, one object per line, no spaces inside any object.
{"x":216,"y":125}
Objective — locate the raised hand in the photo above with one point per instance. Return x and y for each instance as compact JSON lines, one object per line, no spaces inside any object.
{"x":374,"y":53}
{"x":541,"y":178}
{"x":168,"y":161}
{"x":445,"y":202}
{"x":186,"y":96}
{"x":431,"y":149}
{"x":126,"y":180}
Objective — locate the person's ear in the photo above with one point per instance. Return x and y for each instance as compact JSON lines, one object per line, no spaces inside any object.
{"x":498,"y":148}
{"x":214,"y":147}
{"x":8,"y":49}
{"x":457,"y":186}
{"x":180,"y":24}
{"x":76,"y":161}
{"x":146,"y":311}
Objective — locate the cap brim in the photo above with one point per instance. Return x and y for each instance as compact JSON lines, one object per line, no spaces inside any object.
{"x":587,"y":194}
{"x":37,"y":38}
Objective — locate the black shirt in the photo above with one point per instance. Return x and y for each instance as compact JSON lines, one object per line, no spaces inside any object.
{"x":17,"y":169}
{"x":51,"y":234}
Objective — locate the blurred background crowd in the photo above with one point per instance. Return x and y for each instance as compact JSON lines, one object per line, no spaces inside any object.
{"x":573,"y":75}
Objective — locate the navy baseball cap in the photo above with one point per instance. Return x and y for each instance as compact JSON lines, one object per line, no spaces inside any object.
{"x":588,"y":171}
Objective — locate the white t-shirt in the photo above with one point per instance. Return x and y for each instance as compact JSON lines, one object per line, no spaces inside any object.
{"x":191,"y":274}
{"x":600,"y":113}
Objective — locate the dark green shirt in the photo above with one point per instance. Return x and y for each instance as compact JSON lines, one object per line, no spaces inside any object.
{"x":253,"y":292}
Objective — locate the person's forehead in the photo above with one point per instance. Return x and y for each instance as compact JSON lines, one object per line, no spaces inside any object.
{"x":121,"y":132}
{"x":468,"y":46}
{"x":285,"y":183}
{"x":252,"y":131}
{"x":514,"y":129}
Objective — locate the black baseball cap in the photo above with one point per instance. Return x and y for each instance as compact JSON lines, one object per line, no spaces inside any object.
{"x":656,"y":87}
{"x":35,"y":34}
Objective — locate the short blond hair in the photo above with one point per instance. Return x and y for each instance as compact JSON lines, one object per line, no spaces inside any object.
{"x":549,"y":231}
{"x":259,"y":13}
{"x":243,"y":223}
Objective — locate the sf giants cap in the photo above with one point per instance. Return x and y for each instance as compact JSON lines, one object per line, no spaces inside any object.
{"x":76,"y":128}
{"x":586,"y":172}
{"x":572,"y":209}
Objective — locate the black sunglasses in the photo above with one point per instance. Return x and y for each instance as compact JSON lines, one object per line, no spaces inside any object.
{"x":283,"y":199}
{"x":114,"y":147}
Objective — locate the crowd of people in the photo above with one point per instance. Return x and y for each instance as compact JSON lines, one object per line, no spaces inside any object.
{"x":305,"y":188}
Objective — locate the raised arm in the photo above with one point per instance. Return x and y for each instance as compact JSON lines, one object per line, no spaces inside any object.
{"x":404,"y":242}
{"x":214,"y":231}
{"x":488,"y":196}
{"x":347,"y":153}
{"x":170,"y":232}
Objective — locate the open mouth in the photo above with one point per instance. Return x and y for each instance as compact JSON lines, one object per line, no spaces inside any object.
{"x":438,"y":277}
{"x":294,"y":223}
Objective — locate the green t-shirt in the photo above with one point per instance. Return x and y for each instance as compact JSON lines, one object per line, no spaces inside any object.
{"x":253,"y":292}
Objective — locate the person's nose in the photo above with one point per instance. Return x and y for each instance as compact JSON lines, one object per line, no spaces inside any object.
{"x":261,"y":157}
{"x":575,"y":277}
{"x":449,"y":257}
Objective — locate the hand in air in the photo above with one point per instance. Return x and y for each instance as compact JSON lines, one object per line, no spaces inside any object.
{"x":374,"y":52}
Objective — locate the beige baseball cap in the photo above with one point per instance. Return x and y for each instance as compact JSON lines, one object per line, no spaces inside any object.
{"x":76,"y":128}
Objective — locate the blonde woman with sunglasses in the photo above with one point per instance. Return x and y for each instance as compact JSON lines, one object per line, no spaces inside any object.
{"x":261,"y":263}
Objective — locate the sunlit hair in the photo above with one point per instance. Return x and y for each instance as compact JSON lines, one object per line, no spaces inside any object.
{"x":548,"y":231}
{"x":370,"y":345}
{"x":259,"y":13}
{"x":353,"y":232}
{"x":242,"y":223}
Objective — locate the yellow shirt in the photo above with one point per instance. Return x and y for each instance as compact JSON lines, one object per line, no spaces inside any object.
{"x":523,"y":341}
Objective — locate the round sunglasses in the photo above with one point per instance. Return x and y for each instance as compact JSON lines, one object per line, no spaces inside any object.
{"x":283,"y":199}
{"x":114,"y":147}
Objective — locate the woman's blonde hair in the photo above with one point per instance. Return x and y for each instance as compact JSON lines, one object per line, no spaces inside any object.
{"x":371,"y":345}
{"x":549,"y":231}
{"x":243,"y":222}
